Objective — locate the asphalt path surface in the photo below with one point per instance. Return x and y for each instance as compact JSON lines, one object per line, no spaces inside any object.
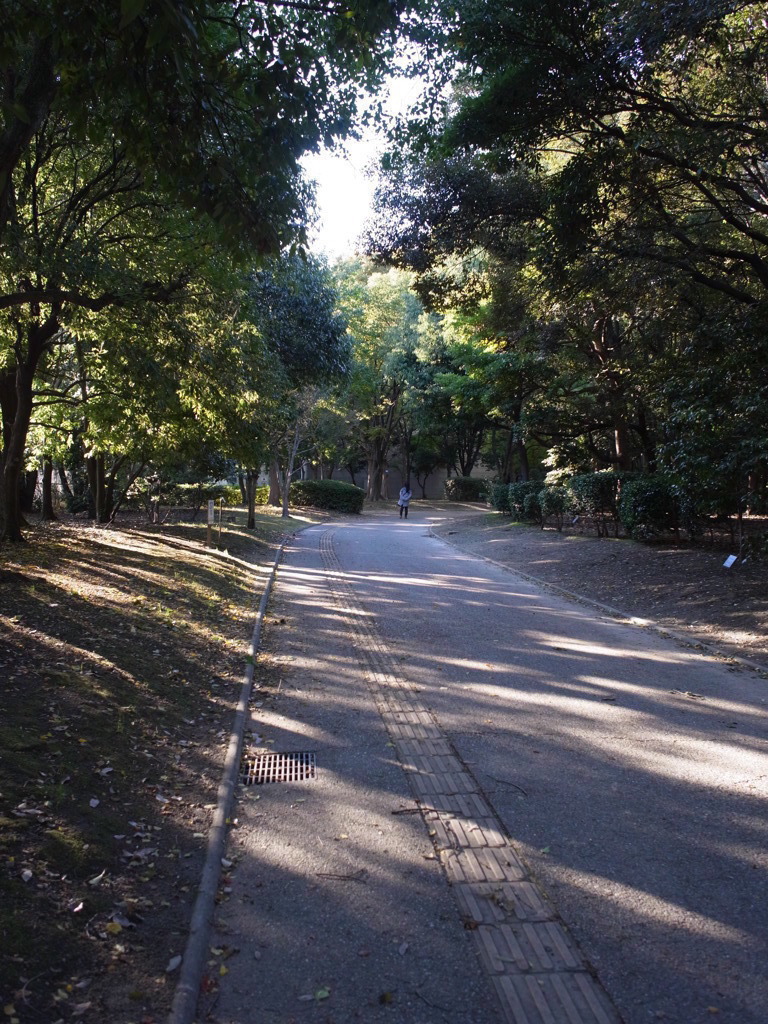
{"x":629,"y":773}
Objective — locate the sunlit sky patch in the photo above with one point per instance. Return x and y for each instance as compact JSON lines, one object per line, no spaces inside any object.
{"x":346,"y":180}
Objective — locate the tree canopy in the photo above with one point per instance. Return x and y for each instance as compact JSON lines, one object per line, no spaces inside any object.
{"x":594,"y":184}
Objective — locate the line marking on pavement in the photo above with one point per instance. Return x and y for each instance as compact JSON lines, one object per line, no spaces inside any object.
{"x":533,"y":964}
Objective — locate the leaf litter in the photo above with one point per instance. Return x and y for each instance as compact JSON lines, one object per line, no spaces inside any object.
{"x":108,"y":778}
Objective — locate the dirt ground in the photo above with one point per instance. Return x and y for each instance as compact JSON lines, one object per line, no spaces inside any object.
{"x":683,"y":589}
{"x":122,"y":653}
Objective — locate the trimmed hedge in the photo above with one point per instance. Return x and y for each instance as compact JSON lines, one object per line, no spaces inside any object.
{"x":187,"y":495}
{"x":554,"y":502}
{"x":532,"y":507}
{"x":465,"y":488}
{"x":517,"y":493}
{"x":333,"y":495}
{"x":594,"y":496}
{"x":654,"y":506}
{"x":498,"y":496}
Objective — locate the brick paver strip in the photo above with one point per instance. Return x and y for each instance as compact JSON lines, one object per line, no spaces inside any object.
{"x":467,"y":805}
{"x":554,"y":999}
{"x":483,"y":865}
{"x":432,"y":764}
{"x":525,"y":947}
{"x":470,"y":833}
{"x":536,"y":969}
{"x":423,"y":748}
{"x":494,"y":903}
{"x":446,"y":783}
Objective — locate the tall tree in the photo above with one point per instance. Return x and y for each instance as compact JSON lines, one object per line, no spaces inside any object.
{"x":383,"y":314}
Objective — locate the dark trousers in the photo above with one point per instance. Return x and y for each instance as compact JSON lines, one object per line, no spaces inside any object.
{"x":403,"y":511}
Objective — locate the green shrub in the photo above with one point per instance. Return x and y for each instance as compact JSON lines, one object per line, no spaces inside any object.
{"x":232,"y":494}
{"x":262,"y":495}
{"x":755,"y":547}
{"x":465,"y":488}
{"x":594,"y":496}
{"x":498,"y":496}
{"x":554,"y":502}
{"x":652,"y":506}
{"x":333,"y":495}
{"x":517,"y":493}
{"x":532,"y":507}
{"x":190,"y":495}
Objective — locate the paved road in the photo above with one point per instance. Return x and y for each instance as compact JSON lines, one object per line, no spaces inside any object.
{"x":596,"y":796}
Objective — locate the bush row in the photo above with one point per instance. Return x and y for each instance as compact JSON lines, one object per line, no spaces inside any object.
{"x":186,"y":495}
{"x":466,"y":488}
{"x":648,"y":507}
{"x":333,"y":495}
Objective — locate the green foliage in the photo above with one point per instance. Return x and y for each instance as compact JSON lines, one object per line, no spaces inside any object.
{"x":592,"y":194}
{"x":594,"y":494}
{"x":293,"y":303}
{"x":554,"y":502}
{"x":532,"y":507}
{"x":516,"y":496}
{"x":652,"y":507}
{"x":333,"y":495}
{"x":466,"y":488}
{"x":216,"y":102}
{"x":384,"y":317}
{"x":755,"y":547}
{"x":192,"y":495}
{"x":498,"y":496}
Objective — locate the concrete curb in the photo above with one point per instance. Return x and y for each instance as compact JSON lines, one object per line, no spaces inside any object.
{"x":187,"y":991}
{"x":616,"y":613}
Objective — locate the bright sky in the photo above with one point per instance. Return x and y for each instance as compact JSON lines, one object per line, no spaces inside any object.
{"x":344,"y":194}
{"x":346,"y":181}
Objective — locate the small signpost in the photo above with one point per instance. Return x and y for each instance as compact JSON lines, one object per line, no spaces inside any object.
{"x":210,"y":523}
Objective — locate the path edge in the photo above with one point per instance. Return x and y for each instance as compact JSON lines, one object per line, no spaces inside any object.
{"x":691,"y":642}
{"x":184,"y":1006}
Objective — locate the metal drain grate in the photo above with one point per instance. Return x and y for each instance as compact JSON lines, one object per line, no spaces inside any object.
{"x":261,"y":768}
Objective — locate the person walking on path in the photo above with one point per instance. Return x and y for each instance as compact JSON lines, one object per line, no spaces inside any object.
{"x":404,"y":499}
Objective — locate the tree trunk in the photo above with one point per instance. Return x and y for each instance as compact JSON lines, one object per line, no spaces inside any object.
{"x":243,"y":492}
{"x":95,"y":468}
{"x":115,"y":503}
{"x":251,"y":479}
{"x":64,"y":482}
{"x":274,"y":484}
{"x":8,"y":402}
{"x":522,"y":456}
{"x":13,"y":461}
{"x":508,"y":462}
{"x":376,"y":469}
{"x":621,"y":445}
{"x":289,"y":472}
{"x":646,"y":443}
{"x":48,"y":514}
{"x":15,"y":434}
{"x":27,"y":488}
